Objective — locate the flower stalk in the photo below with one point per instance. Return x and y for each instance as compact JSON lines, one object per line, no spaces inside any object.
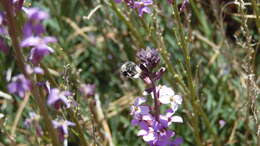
{"x":153,"y":125}
{"x":21,"y":64}
{"x":136,"y":34}
{"x":196,"y":106}
{"x":156,"y":102}
{"x":257,"y":13}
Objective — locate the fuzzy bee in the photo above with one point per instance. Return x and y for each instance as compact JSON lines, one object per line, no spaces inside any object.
{"x":130,"y":70}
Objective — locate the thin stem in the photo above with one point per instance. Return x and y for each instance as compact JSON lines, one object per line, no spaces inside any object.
{"x":257,"y":13}
{"x":196,"y":106}
{"x":79,"y":128}
{"x":137,"y":36}
{"x":201,"y":17}
{"x":166,"y":58}
{"x":156,"y":102}
{"x":18,"y":115}
{"x":13,"y":34}
{"x":190,"y":83}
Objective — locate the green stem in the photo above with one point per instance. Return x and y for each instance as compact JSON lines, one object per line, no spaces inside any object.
{"x":201,"y":17}
{"x":257,"y":13}
{"x":196,"y":106}
{"x":166,"y":59}
{"x":79,"y":128}
{"x":156,"y":102}
{"x":137,"y":36}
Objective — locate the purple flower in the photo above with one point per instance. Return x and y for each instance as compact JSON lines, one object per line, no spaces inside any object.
{"x":35,"y":41}
{"x":57,"y":97}
{"x":128,"y":2}
{"x":3,"y":23}
{"x":40,"y":48}
{"x":167,"y":119}
{"x":137,"y":108}
{"x":87,"y":89}
{"x":177,"y":142}
{"x":32,"y":31}
{"x":142,"y":120}
{"x":2,"y":18}
{"x":184,"y":5}
{"x":38,"y":53}
{"x":164,"y":138}
{"x":3,"y":47}
{"x":19,"y":85}
{"x":153,"y":126}
{"x":62,"y":127}
{"x":36,"y":14}
{"x":149,"y":58}
{"x":36,"y":70}
{"x":34,"y":25}
{"x":156,"y":134}
{"x":142,"y":6}
{"x":32,"y":117}
{"x":222,"y":123}
{"x":3,"y":30}
{"x":148,"y":135}
{"x":33,"y":121}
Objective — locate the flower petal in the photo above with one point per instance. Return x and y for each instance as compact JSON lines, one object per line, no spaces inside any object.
{"x":176,"y":119}
{"x":139,"y":100}
{"x":49,"y":39}
{"x":149,"y":137}
{"x":142,"y":132}
{"x":30,"y":41}
{"x":118,"y":1}
{"x":174,"y":106}
{"x":53,"y":96}
{"x":165,"y":99}
{"x":144,"y":110}
{"x":178,"y":99}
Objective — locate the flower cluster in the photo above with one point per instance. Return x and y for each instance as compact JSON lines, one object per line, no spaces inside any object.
{"x":142,"y":6}
{"x":154,"y":127}
{"x":33,"y":38}
{"x":32,"y":33}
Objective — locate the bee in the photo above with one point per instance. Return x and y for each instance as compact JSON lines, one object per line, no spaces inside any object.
{"x":130,"y":70}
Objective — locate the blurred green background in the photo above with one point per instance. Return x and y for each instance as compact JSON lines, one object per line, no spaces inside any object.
{"x":92,"y":48}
